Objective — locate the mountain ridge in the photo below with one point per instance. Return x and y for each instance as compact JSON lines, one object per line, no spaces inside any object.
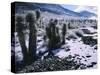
{"x":52,"y":8}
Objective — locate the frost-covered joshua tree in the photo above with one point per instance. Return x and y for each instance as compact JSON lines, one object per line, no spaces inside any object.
{"x":53,"y":35}
{"x":19,"y":29}
{"x":32,"y":18}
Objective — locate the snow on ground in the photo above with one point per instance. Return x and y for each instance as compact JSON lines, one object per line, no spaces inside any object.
{"x":86,"y":53}
{"x":80,"y":52}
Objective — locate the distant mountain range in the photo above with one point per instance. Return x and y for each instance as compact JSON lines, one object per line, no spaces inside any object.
{"x":52,"y":8}
{"x":87,"y":14}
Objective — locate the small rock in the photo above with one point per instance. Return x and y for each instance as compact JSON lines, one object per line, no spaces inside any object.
{"x":67,"y":49}
{"x":88,"y":56}
{"x":94,"y":63}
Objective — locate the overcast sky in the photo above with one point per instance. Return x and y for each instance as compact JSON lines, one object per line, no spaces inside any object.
{"x":78,"y":8}
{"x":70,"y":7}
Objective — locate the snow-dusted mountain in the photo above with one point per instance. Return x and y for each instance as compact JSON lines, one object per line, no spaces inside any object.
{"x":53,"y":8}
{"x":92,"y":9}
{"x":87,"y":11}
{"x":87,"y":14}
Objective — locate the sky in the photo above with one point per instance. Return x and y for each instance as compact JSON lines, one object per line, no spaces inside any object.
{"x":70,"y":7}
{"x":78,"y":8}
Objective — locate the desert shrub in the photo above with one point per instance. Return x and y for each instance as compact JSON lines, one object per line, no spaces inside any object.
{"x":86,"y":31}
{"x":89,"y":40}
{"x":53,"y":64}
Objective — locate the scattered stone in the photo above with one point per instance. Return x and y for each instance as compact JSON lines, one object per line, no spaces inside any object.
{"x":89,"y":66}
{"x":88,"y":56}
{"x":79,"y":34}
{"x":67,"y":49}
{"x":94,"y":63}
{"x":39,"y":40}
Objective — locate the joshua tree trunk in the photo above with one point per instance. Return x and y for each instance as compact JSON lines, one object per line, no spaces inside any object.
{"x":23,"y":46}
{"x":32,"y":42}
{"x":63,"y":33}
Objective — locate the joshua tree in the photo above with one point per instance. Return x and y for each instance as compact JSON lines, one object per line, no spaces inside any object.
{"x":69,"y":26}
{"x":54,"y":38}
{"x":32,"y":18}
{"x":63,"y":33}
{"x":19,"y":29}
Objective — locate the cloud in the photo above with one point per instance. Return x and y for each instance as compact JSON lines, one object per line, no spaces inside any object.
{"x":92,"y":9}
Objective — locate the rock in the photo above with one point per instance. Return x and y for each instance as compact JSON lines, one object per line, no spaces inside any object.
{"x":71,"y":37}
{"x":88,"y":56}
{"x":95,"y":47}
{"x":68,"y":49}
{"x":39,"y":40}
{"x":89,"y":66}
{"x":79,"y":34}
{"x":94,"y":63}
